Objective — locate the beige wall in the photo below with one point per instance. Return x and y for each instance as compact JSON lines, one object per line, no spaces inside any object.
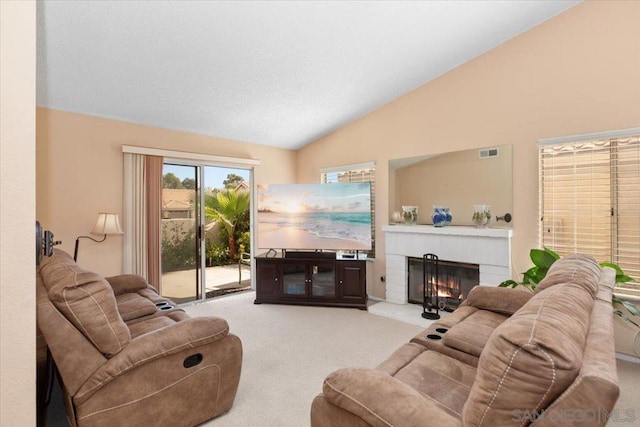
{"x":458,"y":180}
{"x":80,"y":173}
{"x":17,"y":213}
{"x":576,"y":73}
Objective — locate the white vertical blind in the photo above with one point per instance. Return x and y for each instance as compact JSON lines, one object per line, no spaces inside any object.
{"x":590,"y":200}
{"x":134,"y":259}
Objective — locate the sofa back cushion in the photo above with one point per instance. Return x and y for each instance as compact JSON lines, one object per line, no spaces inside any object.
{"x":533,"y":356}
{"x":86,"y":300}
{"x":574,"y":268}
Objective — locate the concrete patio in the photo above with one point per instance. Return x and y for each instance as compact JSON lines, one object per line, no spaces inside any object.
{"x":180,"y":286}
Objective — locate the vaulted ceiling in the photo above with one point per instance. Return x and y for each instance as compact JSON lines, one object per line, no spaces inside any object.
{"x":280,"y":73}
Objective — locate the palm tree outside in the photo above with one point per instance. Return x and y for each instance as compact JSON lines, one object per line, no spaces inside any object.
{"x":228,"y":207}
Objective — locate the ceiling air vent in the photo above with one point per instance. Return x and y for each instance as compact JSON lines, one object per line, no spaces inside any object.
{"x":488,"y":153}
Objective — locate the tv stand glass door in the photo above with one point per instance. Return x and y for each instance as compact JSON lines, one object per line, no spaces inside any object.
{"x":304,"y":279}
{"x":323,"y":280}
{"x":294,"y":280}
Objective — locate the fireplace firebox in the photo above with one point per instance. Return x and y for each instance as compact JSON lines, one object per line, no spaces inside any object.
{"x":455,"y":280}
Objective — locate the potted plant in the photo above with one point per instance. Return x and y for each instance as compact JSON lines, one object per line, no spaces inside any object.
{"x":543,"y":259}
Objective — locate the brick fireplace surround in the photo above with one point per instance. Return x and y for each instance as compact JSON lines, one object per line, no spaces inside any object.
{"x":490,"y":248}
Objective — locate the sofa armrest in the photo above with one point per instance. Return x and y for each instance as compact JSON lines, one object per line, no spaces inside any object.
{"x":499,"y":300}
{"x":381,"y":400}
{"x":126,"y":283}
{"x":189,"y":333}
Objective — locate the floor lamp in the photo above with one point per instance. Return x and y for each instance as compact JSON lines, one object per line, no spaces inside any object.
{"x":107,"y":223}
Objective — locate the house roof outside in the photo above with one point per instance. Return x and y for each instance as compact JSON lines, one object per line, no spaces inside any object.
{"x":177,"y":199}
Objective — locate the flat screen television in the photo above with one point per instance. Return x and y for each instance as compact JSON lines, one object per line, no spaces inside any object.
{"x":333,"y":216}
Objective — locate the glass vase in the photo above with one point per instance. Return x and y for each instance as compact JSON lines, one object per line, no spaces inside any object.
{"x":410,"y":215}
{"x":481,"y":215}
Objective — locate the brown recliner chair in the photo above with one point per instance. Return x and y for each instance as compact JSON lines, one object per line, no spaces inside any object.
{"x":548,"y":360}
{"x":127,"y":356}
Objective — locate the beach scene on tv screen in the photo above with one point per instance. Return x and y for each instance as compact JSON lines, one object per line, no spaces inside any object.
{"x":314,"y":216}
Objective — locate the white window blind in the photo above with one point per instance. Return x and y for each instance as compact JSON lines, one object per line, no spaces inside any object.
{"x":590,"y":200}
{"x":364,"y":172}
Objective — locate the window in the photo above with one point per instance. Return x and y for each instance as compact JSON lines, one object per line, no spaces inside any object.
{"x":365,"y":172}
{"x":590,"y":198}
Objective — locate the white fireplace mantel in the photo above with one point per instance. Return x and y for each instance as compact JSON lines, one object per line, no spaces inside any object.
{"x":490,"y":248}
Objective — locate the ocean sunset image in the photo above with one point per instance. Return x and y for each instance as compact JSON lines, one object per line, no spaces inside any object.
{"x":314,"y":216}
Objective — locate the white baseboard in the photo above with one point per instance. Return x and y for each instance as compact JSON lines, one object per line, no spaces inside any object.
{"x":627,"y":358}
{"x":376,"y":299}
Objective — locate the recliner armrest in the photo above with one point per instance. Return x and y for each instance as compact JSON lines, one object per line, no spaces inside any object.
{"x":381,"y":400}
{"x":499,"y":300}
{"x":188,"y":333}
{"x":127,"y":283}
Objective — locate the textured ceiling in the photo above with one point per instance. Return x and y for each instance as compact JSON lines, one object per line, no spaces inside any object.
{"x":270,"y":72}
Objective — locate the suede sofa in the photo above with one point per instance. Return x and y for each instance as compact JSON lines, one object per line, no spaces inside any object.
{"x":127,"y":356}
{"x":505,"y":357}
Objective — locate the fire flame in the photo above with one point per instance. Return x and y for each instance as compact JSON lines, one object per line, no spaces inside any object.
{"x":448,"y":289}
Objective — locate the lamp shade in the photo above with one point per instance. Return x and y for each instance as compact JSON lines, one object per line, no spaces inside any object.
{"x":107,"y":223}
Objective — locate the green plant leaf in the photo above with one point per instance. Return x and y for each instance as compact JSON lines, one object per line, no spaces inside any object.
{"x":620,"y":276}
{"x":509,"y":284}
{"x":533,"y":275}
{"x":631,"y":308}
{"x":612,"y":265}
{"x":543,"y":258}
{"x":624,"y":279}
{"x":552,"y":253}
{"x":621,"y":315}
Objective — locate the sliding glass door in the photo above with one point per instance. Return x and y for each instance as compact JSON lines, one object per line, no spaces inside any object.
{"x":205,"y":230}
{"x":181,"y":242}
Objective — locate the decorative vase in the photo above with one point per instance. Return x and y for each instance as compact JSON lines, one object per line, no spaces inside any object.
{"x":410,"y":215}
{"x":448,"y":215}
{"x":481,"y":215}
{"x":396,"y":217}
{"x":439,"y":216}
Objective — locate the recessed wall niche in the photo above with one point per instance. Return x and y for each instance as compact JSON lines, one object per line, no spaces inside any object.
{"x":458,"y":180}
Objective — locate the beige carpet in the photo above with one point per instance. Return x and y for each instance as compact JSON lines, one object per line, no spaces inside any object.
{"x":288,"y":350}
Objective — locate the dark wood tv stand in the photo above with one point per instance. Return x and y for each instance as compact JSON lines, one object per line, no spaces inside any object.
{"x":310,"y":279}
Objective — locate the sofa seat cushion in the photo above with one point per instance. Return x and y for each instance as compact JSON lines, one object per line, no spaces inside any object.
{"x":382,"y":401}
{"x":468,"y":337}
{"x":147,"y":326}
{"x":460,"y":314}
{"x":485,"y":318}
{"x":471,"y":335}
{"x":401,"y":358}
{"x":159,"y":321}
{"x":86,"y":300}
{"x":444,"y":324}
{"x":532,"y":357}
{"x":133,"y":305}
{"x":444,"y":380}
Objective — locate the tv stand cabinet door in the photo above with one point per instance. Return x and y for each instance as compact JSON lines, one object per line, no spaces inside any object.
{"x":268,"y":280}
{"x":353,"y":282}
{"x":323,"y":281}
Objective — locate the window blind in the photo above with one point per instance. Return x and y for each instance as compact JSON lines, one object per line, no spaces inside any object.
{"x":590,"y":200}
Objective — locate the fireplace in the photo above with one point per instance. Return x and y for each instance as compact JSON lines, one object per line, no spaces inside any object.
{"x":455,"y":280}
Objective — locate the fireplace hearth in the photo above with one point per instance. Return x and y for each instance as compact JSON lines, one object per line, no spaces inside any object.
{"x":455,"y":280}
{"x":489,"y":248}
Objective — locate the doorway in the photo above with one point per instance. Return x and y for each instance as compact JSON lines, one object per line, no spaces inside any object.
{"x":205,"y":230}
